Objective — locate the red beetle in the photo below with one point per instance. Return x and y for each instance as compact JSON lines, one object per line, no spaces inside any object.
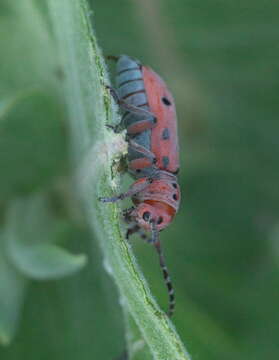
{"x":150,"y":120}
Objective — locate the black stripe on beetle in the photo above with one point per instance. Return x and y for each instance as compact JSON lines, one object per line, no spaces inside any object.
{"x":129,"y":81}
{"x":133,"y":93}
{"x":129,"y":69}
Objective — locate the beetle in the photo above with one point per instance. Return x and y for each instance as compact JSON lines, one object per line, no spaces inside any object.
{"x":149,"y":118}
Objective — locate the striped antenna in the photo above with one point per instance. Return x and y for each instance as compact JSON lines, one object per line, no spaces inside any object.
{"x":157,"y":244}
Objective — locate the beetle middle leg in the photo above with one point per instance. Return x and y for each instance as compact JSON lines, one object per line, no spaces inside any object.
{"x":134,"y":189}
{"x":147,"y":121}
{"x":131,"y":108}
{"x":142,"y":150}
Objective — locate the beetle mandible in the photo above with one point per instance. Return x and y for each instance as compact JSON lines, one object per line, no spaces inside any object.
{"x":153,"y":161}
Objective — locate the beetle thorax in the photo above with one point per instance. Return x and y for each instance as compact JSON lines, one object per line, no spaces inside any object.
{"x":163,"y":190}
{"x":157,"y":203}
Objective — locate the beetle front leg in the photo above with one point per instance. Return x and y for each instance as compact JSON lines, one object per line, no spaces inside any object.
{"x":134,"y":189}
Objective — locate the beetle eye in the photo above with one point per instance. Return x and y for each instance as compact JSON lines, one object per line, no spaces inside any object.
{"x":160,"y":220}
{"x":146,"y":215}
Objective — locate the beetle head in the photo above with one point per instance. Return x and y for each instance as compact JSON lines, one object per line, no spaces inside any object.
{"x":153,"y":212}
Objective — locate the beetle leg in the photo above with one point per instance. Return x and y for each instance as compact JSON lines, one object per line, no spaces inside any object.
{"x":139,"y":126}
{"x":116,"y":128}
{"x":142,"y":150}
{"x":131,"y":108}
{"x":132,"y":230}
{"x":112,"y":57}
{"x":136,"y":229}
{"x":134,"y":189}
{"x":144,"y":237}
{"x":133,"y":129}
{"x":126,"y":213}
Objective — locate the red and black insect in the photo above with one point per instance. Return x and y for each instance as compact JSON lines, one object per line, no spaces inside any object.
{"x":150,"y":120}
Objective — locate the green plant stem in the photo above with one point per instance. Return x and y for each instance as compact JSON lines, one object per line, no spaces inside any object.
{"x":95,"y":151}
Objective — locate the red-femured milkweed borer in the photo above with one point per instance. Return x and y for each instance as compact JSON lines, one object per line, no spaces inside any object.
{"x":150,"y":120}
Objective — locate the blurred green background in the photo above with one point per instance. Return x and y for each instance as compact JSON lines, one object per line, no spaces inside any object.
{"x":220,"y":59}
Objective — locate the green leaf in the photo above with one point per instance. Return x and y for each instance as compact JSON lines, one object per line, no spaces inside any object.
{"x":30,"y":232}
{"x":27,"y":252}
{"x":95,"y":150}
{"x":27,"y":60}
{"x":12,"y":289}
{"x":31,"y":130}
{"x":31,"y":136}
{"x":44,"y":261}
{"x":8,"y":103}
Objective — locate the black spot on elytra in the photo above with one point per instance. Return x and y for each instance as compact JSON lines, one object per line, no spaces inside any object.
{"x":174,"y":196}
{"x":166,"y":101}
{"x":174,"y":185}
{"x":165,"y":160}
{"x":166,"y":134}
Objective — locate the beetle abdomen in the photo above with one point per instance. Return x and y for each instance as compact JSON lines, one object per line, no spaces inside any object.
{"x":131,"y":88}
